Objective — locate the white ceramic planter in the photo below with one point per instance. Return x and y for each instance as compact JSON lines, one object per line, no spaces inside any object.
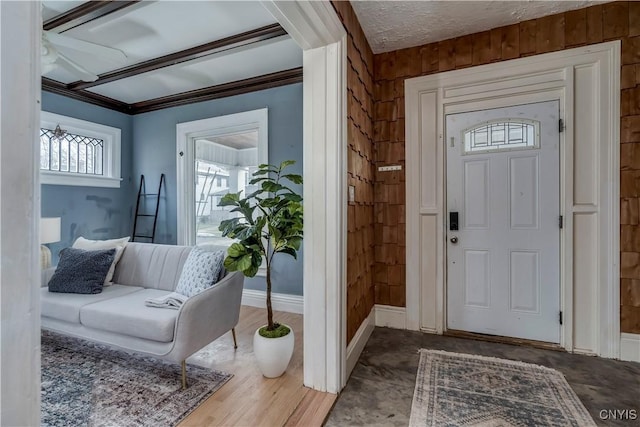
{"x":273,"y":354}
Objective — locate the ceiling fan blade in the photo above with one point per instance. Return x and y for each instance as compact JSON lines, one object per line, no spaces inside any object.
{"x":75,"y":69}
{"x":85,"y":47}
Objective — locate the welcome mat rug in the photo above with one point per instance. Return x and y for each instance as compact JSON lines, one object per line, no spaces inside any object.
{"x":87,"y":384}
{"x":454,"y":389}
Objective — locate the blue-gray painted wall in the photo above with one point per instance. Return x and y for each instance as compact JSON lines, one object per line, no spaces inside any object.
{"x":91,"y":212}
{"x":154,"y":152}
{"x":149,"y":148}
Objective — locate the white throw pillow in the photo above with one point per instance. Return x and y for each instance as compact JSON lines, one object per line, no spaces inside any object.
{"x":200,"y":271}
{"x":96,"y":245}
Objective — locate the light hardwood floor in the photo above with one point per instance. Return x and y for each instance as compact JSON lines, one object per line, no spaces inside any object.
{"x":249,"y":399}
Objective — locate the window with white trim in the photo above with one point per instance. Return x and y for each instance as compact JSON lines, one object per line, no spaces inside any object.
{"x":78,"y":152}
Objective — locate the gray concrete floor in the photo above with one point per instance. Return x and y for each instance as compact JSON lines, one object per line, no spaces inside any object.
{"x":380,"y":389}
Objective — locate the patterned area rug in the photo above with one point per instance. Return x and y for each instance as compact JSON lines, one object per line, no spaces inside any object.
{"x":86,"y":384}
{"x":455,"y":389}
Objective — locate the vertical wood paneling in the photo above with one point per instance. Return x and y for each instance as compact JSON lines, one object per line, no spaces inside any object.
{"x":482,"y":52}
{"x":634,"y":18}
{"x":528,"y":38}
{"x":496,"y":44}
{"x":447,"y":54}
{"x":511,"y":42}
{"x":550,"y":34}
{"x":575,"y":27}
{"x":594,"y":24}
{"x":615,"y":20}
{"x":611,"y":21}
{"x":463,"y":51}
{"x":361,"y":158}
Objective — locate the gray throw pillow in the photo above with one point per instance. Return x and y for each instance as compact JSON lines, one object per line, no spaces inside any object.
{"x":80,"y":271}
{"x":201,"y":271}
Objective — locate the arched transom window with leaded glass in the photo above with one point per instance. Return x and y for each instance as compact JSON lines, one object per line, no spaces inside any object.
{"x":502,"y":135}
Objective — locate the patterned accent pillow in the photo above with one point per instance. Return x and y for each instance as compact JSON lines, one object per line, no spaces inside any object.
{"x":80,"y":271}
{"x":201,"y":271}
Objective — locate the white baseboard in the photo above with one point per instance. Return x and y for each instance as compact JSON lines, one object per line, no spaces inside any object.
{"x":279,"y":302}
{"x":630,"y":347}
{"x":391,"y":317}
{"x":359,"y":340}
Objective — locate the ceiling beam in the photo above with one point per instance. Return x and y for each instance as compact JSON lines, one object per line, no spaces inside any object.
{"x":252,"y":84}
{"x":85,"y":96}
{"x":232,"y":42}
{"x":84,"y":13}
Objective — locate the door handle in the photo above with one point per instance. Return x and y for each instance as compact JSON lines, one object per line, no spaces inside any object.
{"x":454,"y":240}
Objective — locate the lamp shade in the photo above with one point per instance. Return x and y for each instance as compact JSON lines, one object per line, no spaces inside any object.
{"x":49,"y":230}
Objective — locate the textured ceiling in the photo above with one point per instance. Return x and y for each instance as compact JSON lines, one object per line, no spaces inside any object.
{"x":392,"y":25}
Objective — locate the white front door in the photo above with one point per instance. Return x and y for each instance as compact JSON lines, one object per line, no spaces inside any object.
{"x":503,"y":184}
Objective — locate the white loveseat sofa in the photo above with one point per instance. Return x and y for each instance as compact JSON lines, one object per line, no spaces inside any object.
{"x":119,"y":318}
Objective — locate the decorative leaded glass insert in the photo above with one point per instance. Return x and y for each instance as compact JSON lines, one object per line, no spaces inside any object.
{"x":502,"y":135}
{"x":71,"y":153}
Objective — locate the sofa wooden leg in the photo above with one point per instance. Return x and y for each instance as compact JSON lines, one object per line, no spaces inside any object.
{"x":184,"y":375}
{"x":235,"y":343}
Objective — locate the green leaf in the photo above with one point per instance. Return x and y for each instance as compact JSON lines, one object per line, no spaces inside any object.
{"x":244,"y":262}
{"x":230,"y":199}
{"x":287,"y":163}
{"x":236,"y":250}
{"x":230,"y":264}
{"x":257,"y":180}
{"x":296,"y":179}
{"x":295,"y":242}
{"x":272,"y":187}
{"x":251,"y":271}
{"x":289,"y":251}
{"x":292,"y":197}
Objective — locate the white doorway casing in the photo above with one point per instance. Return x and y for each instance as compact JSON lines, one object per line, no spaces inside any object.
{"x":316,"y":28}
{"x":586,"y":82}
{"x":20,"y":29}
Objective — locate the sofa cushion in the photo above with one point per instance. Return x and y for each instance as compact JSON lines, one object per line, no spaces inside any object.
{"x":95,"y":245}
{"x":80,"y":271}
{"x":66,"y":307}
{"x":128,"y":315}
{"x":200,"y":271}
{"x":151,"y":265}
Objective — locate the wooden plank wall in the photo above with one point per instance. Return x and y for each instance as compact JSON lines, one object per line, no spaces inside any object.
{"x":360,"y":169}
{"x":595,"y":24}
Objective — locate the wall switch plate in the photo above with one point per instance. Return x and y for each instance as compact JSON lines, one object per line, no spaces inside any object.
{"x":352,"y":194}
{"x":389,"y":168}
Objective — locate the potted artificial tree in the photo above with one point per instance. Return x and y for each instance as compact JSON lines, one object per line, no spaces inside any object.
{"x":269,"y":222}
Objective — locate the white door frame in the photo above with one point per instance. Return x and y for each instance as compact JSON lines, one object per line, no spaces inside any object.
{"x":586,"y":81}
{"x":20,"y":25}
{"x":186,"y":135}
{"x":316,"y":28}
